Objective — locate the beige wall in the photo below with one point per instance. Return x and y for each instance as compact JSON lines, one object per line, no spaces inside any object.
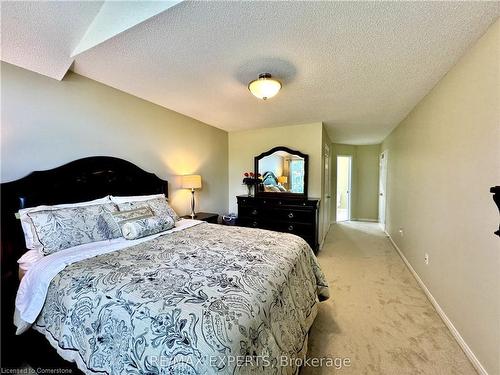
{"x":443,"y":158}
{"x":364,"y":179}
{"x":367,"y":161}
{"x":46,"y":123}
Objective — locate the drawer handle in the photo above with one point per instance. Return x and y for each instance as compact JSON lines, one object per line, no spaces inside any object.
{"x":254,"y":224}
{"x":290,"y":215}
{"x":255,"y":212}
{"x":290,"y":228}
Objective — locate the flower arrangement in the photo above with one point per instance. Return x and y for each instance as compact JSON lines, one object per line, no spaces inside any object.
{"x":250,"y":178}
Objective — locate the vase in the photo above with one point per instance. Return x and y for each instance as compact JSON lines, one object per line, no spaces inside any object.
{"x":250,"y":190}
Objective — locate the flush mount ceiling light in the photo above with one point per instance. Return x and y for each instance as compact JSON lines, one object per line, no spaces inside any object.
{"x":264,"y":87}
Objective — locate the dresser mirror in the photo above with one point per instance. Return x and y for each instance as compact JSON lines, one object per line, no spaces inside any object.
{"x":283,"y":172}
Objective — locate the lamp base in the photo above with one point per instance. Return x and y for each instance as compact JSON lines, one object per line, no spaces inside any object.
{"x":193,"y":214}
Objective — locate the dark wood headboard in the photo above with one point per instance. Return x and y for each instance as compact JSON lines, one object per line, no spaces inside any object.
{"x":78,"y":181}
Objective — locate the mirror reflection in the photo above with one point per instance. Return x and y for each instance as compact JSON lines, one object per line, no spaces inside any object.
{"x":282,"y":172}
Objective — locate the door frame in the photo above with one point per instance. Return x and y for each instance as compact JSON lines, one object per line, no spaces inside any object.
{"x":349,"y":187}
{"x":327,"y":195}
{"x":383,"y":183}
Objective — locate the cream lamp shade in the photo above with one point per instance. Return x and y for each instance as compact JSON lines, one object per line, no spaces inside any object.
{"x":282,"y":179}
{"x":264,"y":87}
{"x":192,"y":181}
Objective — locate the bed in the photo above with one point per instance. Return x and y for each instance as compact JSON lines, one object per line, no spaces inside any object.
{"x":197,"y":299}
{"x":271,"y":184}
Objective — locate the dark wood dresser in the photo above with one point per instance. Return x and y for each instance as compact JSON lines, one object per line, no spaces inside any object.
{"x":291,"y":215}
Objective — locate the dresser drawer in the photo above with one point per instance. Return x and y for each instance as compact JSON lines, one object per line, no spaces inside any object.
{"x":294,"y":228}
{"x":250,"y":222}
{"x":249,"y":211}
{"x":246,"y":201}
{"x":297,"y":216}
{"x":281,"y":214}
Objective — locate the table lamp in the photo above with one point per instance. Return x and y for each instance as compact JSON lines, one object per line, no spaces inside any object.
{"x":192,"y":182}
{"x":283,"y":180}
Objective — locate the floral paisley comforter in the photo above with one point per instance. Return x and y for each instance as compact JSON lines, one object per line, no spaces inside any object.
{"x":209,"y":299}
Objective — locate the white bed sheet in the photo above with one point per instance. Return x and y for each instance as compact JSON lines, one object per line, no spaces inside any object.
{"x":35,"y":283}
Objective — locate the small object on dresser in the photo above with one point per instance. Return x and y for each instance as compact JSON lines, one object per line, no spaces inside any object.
{"x":205,"y":216}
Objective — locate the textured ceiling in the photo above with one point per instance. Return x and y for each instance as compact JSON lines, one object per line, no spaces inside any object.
{"x":115,"y":17}
{"x":40,"y":36}
{"x":44,"y":36}
{"x":359,"y":67}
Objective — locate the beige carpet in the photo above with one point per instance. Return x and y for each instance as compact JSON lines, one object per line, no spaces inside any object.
{"x":378,"y":316}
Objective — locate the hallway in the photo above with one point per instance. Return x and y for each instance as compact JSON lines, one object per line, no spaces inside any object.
{"x":377,"y":316}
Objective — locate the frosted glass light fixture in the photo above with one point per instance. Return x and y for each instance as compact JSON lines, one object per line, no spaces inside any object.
{"x":264,"y":87}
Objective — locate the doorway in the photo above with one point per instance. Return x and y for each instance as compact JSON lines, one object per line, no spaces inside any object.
{"x":382,"y":196}
{"x":326,"y":190}
{"x":344,"y":164}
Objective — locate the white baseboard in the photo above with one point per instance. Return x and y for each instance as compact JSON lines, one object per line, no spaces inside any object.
{"x":467,"y":350}
{"x":355,"y":219}
{"x":321,"y":245}
{"x":324,"y":237}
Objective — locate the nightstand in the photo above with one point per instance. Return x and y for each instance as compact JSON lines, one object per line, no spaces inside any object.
{"x":205,"y":216}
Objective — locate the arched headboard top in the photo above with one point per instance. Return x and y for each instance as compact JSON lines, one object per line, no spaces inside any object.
{"x":80,"y":180}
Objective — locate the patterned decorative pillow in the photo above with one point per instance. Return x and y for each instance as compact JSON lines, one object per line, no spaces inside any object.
{"x":122,"y":217}
{"x":67,"y":227}
{"x":138,"y":228}
{"x":159,"y":206}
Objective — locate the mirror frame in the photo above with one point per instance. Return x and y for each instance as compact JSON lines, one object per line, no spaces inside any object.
{"x":285,"y":194}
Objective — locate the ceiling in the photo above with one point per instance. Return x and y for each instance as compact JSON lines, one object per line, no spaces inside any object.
{"x":40,"y":36}
{"x":359,"y":67}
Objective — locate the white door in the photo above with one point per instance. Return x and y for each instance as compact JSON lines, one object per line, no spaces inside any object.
{"x":326,"y":191}
{"x":382,"y":188}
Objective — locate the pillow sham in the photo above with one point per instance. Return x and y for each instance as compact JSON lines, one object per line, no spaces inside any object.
{"x":138,"y":228}
{"x":159,"y":206}
{"x":29,"y":231}
{"x":63,"y":228}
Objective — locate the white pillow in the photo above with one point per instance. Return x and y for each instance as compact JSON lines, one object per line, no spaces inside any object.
{"x":27,"y":224}
{"x":28,"y":259}
{"x":135,"y":198}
